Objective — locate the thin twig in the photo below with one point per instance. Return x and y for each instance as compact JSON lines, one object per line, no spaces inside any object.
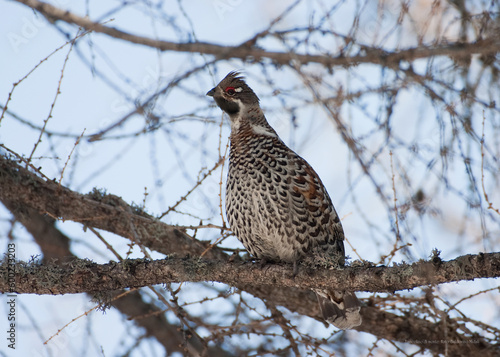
{"x":398,"y":234}
{"x":223,"y":157}
{"x":200,"y":181}
{"x":52,"y":106}
{"x":69,"y":156}
{"x":36,"y":67}
{"x":86,"y":313}
{"x":490,"y":205}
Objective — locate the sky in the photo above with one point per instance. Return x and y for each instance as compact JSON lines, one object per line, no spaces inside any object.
{"x":167,"y":164}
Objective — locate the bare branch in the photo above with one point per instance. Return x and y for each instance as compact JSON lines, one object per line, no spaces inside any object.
{"x":274,"y":284}
{"x":87,"y":276}
{"x":248,"y":51}
{"x":98,"y":210}
{"x":55,"y":248}
{"x":417,"y":122}
{"x":24,"y":188}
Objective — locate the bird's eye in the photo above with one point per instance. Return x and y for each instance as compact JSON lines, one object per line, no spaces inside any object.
{"x":230,"y":90}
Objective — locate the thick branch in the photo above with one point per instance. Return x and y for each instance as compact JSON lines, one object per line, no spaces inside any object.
{"x":55,"y":248}
{"x":85,"y":276}
{"x":250,"y":52}
{"x":19,"y":189}
{"x":24,"y":189}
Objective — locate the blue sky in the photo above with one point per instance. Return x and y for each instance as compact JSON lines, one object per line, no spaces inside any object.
{"x":169,"y":161}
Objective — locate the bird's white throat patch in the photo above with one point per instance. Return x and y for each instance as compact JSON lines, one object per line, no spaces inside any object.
{"x":260,"y":130}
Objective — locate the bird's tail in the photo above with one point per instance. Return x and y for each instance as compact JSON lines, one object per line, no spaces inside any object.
{"x":341,"y":309}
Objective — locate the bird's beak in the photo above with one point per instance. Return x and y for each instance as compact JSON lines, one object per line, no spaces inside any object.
{"x":211,"y":92}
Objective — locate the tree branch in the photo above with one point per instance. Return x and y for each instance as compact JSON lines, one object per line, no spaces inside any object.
{"x":55,"y":248}
{"x":87,"y":276}
{"x":25,"y":191}
{"x":248,"y":51}
{"x":98,"y":210}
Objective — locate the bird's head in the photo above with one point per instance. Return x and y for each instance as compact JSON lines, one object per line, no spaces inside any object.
{"x":232,"y":94}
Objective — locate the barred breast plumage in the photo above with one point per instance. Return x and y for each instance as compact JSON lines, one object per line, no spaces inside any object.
{"x":276,"y":204}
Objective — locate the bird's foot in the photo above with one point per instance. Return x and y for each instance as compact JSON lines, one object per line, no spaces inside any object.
{"x":263,"y":262}
{"x":295,"y":269}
